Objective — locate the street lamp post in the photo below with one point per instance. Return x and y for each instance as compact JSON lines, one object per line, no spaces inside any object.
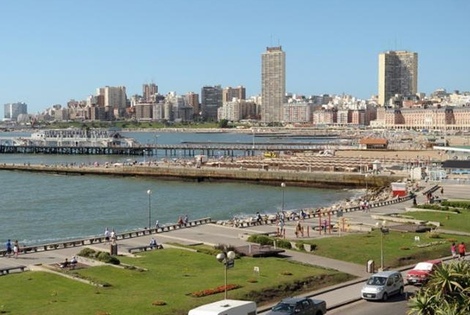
{"x":156,"y":143}
{"x":367,"y":188}
{"x":149,"y":193}
{"x":227,"y":258}
{"x":253,"y":146}
{"x":283,"y":185}
{"x":383,"y":230}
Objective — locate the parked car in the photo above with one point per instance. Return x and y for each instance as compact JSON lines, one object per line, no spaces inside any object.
{"x":383,"y":284}
{"x":299,"y":306}
{"x":421,"y":273}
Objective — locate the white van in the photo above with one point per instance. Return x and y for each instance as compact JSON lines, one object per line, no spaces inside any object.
{"x":226,"y":307}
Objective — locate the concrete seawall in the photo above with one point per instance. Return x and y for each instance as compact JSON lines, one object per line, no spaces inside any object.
{"x":271,"y":177}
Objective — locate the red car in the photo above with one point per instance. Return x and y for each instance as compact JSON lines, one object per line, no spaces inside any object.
{"x":420,"y":274}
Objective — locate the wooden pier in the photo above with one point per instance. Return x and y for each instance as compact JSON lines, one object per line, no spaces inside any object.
{"x":171,"y":150}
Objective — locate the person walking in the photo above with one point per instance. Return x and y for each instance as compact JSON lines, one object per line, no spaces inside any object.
{"x":453,"y":250}
{"x":16,"y":249}
{"x":462,"y":250}
{"x":106,"y":235}
{"x":9,"y":248}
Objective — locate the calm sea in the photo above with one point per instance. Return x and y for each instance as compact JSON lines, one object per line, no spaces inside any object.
{"x":42,"y":208}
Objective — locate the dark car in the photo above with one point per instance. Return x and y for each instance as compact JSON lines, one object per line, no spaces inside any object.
{"x":299,"y":306}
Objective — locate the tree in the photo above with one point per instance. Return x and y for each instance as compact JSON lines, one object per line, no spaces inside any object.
{"x":447,"y":292}
{"x":223,"y":123}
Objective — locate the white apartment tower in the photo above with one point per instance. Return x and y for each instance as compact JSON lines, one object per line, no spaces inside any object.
{"x":113,"y":96}
{"x":398,"y":74}
{"x":273,"y":84}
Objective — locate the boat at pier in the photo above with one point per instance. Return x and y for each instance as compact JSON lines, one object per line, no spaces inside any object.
{"x":75,"y":137}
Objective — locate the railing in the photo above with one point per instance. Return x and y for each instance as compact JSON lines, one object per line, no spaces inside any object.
{"x":102,"y":239}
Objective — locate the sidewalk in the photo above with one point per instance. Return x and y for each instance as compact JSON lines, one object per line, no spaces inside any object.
{"x":212,"y":234}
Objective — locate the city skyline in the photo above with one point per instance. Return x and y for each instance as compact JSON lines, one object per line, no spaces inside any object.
{"x":54,"y":51}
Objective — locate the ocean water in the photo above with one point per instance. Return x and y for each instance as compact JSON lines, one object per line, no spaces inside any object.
{"x":41,"y":208}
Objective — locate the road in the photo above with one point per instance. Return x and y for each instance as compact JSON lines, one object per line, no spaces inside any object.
{"x":396,"y":305}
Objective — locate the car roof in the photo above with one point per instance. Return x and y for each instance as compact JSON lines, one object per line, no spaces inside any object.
{"x":434,"y":261}
{"x":385,"y":273}
{"x":292,"y":300}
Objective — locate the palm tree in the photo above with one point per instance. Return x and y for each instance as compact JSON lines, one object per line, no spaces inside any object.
{"x":447,"y":292}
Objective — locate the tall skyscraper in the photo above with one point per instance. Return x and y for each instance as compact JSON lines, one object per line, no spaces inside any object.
{"x":273,"y":84}
{"x":149,"y":91}
{"x":13,"y":110}
{"x":398,"y":74}
{"x":211,"y":100}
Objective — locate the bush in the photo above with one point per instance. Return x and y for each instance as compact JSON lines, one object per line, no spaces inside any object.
{"x":87,"y":252}
{"x":261,"y":239}
{"x":457,"y":204}
{"x":283,"y":244}
{"x":101,"y":256}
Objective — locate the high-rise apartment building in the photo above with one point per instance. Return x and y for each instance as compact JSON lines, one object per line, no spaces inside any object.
{"x":192,"y":99}
{"x":398,"y":74}
{"x":13,"y":110}
{"x":273,"y":84}
{"x":113,"y":99}
{"x":211,"y":100}
{"x":229,"y":93}
{"x":149,"y":91}
{"x":112,"y":96}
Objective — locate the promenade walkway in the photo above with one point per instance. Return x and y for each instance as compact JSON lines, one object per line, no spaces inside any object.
{"x":213,"y":234}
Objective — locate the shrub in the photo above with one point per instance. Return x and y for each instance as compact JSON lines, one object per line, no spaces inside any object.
{"x":101,"y":256}
{"x":261,"y":239}
{"x":87,"y":252}
{"x":283,"y":244}
{"x":457,"y":204}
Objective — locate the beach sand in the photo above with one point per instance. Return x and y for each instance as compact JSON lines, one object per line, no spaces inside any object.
{"x":432,"y":155}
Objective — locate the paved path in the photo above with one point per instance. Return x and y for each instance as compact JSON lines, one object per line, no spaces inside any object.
{"x":213,"y":234}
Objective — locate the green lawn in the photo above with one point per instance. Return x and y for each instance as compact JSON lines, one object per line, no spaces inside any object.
{"x":449,"y":220}
{"x":398,"y":248}
{"x":171,"y":277}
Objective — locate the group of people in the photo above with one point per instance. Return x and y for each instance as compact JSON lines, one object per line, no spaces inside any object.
{"x":183,"y":220}
{"x":458,"y":251}
{"x":12,"y":248}
{"x":110,"y":236}
{"x":69,"y":263}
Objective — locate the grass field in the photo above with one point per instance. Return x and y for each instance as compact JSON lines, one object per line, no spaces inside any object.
{"x":449,"y":220}
{"x":398,"y":248}
{"x":171,"y":276}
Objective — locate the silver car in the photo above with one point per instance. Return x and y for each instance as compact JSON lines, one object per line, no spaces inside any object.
{"x":382,"y":285}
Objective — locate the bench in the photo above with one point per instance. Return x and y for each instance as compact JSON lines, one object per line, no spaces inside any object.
{"x":144,"y":248}
{"x":7,"y":270}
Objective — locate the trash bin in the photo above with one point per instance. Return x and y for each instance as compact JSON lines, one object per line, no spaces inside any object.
{"x":370,"y":266}
{"x":113,"y":250}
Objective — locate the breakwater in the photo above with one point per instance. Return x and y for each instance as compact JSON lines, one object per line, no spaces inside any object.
{"x":207,"y":173}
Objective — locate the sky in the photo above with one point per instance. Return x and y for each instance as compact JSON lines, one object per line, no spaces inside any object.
{"x":52,"y":51}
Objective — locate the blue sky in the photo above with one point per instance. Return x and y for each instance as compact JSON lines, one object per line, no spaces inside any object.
{"x":56,"y":50}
